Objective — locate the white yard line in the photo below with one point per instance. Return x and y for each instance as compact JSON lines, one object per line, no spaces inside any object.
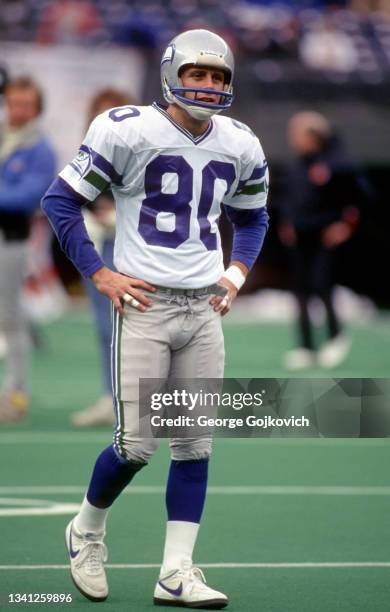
{"x":53,"y":437}
{"x":77,"y":437}
{"x":282,"y":565}
{"x":212,"y":490}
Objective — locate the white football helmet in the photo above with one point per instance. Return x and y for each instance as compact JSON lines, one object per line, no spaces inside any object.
{"x":198,"y":48}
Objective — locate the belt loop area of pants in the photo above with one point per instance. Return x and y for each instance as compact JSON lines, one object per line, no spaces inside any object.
{"x":191,"y":293}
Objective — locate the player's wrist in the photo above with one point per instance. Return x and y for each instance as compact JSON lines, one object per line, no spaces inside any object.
{"x":235,"y":275}
{"x":99,"y":274}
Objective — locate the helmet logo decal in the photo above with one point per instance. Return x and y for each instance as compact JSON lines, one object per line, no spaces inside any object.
{"x":168,"y":55}
{"x":82,"y":163}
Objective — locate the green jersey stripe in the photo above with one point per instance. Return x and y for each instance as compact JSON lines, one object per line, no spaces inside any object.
{"x":252,"y":189}
{"x":97,"y":181}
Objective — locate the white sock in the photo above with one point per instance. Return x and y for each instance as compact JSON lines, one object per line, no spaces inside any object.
{"x":179,"y":544}
{"x":90,"y":518}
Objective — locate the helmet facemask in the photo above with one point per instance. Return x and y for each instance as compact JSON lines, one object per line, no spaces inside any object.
{"x":200,"y":109}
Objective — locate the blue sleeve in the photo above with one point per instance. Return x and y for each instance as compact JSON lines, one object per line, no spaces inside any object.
{"x":249,"y":229}
{"x":24,"y":197}
{"x":62,"y":206}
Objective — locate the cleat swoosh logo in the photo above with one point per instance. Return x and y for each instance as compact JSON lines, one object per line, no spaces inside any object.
{"x":176,"y":592}
{"x":73,"y":553}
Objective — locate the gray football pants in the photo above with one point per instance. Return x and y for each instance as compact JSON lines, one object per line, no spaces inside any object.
{"x":178,"y":337}
{"x":13,"y":262}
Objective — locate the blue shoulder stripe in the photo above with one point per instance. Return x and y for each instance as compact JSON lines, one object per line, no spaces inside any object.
{"x":258,"y":173}
{"x":100,"y":162}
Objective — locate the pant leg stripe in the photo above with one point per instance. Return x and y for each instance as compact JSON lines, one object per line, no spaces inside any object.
{"x":112,"y":346}
{"x":120,"y":403}
{"x":119,"y":427}
{"x":114,"y":366}
{"x":116,"y":356}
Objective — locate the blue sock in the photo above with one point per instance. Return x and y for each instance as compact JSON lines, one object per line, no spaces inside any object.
{"x":109,"y":477}
{"x":186,"y":490}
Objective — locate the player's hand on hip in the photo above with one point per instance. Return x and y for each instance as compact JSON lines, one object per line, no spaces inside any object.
{"x":120,"y":289}
{"x":223,"y":304}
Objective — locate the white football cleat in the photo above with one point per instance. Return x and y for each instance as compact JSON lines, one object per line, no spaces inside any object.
{"x":100,"y":413}
{"x":187,"y":588}
{"x":334,"y":352}
{"x":87,"y":553}
{"x":299,"y":359}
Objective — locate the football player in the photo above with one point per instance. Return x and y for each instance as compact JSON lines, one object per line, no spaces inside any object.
{"x":169,"y":168}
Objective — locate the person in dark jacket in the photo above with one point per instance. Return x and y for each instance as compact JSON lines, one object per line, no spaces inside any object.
{"x":27,"y":167}
{"x":320,"y":211}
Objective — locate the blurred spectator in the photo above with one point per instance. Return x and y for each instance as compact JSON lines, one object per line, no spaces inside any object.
{"x":320,"y":211}
{"x":16,"y":20}
{"x":70,"y":22}
{"x":3,"y":81}
{"x":44,"y":297}
{"x":137,"y":28}
{"x":27,"y":167}
{"x":327,"y":48}
{"x":100,"y":222}
{"x":366,"y":7}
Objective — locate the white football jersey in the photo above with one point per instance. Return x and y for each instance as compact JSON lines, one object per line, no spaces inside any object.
{"x":168,"y":188}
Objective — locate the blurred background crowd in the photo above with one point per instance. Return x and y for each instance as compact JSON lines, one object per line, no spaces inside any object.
{"x":346,"y":37}
{"x":358,"y":29}
{"x":329,"y":58}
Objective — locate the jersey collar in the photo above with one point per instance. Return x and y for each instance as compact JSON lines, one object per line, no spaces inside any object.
{"x":194,"y":139}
